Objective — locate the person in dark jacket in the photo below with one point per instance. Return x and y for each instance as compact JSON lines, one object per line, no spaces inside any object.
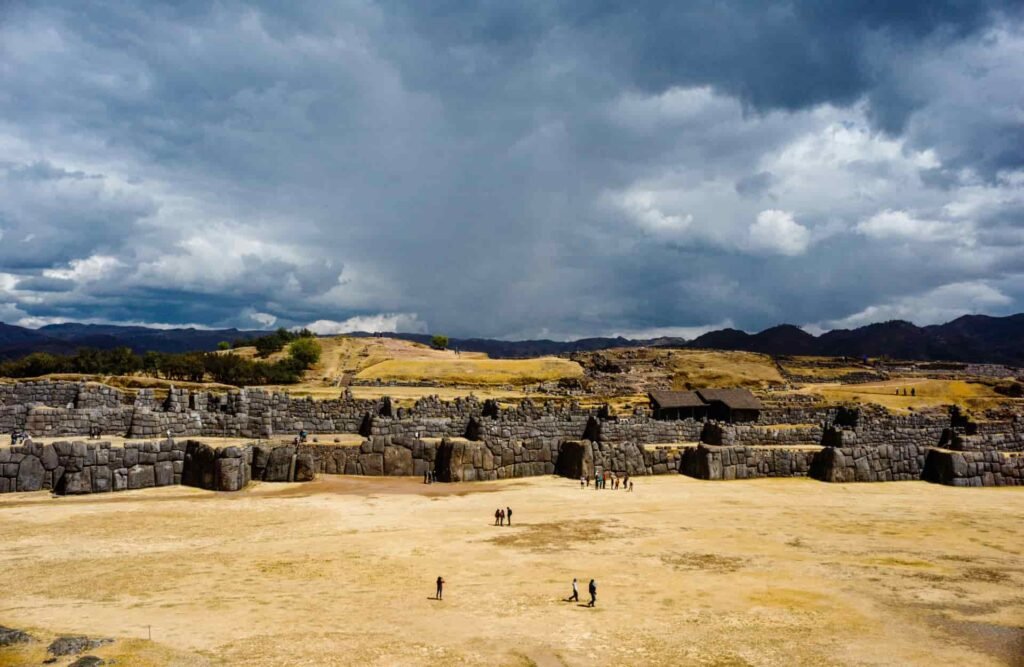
{"x":440,"y":587}
{"x":593,"y":593}
{"x":508,"y":515}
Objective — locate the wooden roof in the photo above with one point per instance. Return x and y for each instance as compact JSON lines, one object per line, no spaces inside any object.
{"x":675,"y":399}
{"x":734,"y":399}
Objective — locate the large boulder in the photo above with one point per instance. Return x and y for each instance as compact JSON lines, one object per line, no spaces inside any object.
{"x":280,"y":465}
{"x":305,"y":468}
{"x":398,"y":461}
{"x":141,"y":477}
{"x":30,"y":474}
{"x":229,"y":474}
{"x":78,"y":483}
{"x":163,"y":473}
{"x":575,"y":459}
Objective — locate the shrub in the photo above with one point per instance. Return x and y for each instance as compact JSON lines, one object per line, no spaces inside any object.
{"x":440,"y":342}
{"x":305,"y":351}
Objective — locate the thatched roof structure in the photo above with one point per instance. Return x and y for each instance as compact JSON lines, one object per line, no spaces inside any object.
{"x":734,"y":399}
{"x":667,"y":400}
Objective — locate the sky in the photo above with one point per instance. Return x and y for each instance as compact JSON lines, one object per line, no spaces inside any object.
{"x":511,"y":169}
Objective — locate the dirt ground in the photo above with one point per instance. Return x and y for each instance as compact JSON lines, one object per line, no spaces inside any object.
{"x":341,"y":572}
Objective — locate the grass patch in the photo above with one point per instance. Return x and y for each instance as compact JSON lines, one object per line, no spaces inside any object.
{"x":473,"y":371}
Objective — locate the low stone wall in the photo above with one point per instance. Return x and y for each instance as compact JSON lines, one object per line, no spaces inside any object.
{"x":974,"y":468}
{"x":885,"y":463}
{"x":742,"y":462}
{"x":74,"y":468}
{"x":721,"y":434}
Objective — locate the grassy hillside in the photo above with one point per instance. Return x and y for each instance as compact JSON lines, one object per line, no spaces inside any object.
{"x":928,"y":393}
{"x":473,"y":371}
{"x":392,"y":359}
{"x":713,"y":368}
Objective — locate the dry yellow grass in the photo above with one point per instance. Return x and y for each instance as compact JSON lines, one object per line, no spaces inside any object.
{"x":340,"y":572}
{"x":471,"y":372}
{"x":929,"y":393}
{"x":712,"y":368}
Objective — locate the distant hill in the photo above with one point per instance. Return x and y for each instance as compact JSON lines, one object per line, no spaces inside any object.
{"x":971,"y":338}
{"x":66,"y":338}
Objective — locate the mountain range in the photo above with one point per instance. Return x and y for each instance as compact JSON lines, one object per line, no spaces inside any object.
{"x":971,"y":338}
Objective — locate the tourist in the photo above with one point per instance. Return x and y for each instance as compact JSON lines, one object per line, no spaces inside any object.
{"x":913,"y":391}
{"x":440,"y":588}
{"x":508,"y":515}
{"x":625,"y":482}
{"x":630,"y":486}
{"x":501,"y":517}
{"x":583,"y":479}
{"x":426,"y":477}
{"x":497,"y":516}
{"x":575,"y":592}
{"x":593,"y":593}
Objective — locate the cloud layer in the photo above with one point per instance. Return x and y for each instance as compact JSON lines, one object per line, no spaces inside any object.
{"x":511,"y":169}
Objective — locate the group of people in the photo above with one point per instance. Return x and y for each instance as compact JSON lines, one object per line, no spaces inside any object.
{"x":20,"y":437}
{"x":429,"y":477}
{"x":503,"y":515}
{"x":601,"y":481}
{"x":913,"y":391}
{"x":575,"y":597}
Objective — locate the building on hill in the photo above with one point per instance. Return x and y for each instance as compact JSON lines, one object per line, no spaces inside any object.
{"x":731,"y":405}
{"x":670,"y":405}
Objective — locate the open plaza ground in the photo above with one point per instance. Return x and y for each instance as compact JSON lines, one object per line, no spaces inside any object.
{"x":341,"y":571}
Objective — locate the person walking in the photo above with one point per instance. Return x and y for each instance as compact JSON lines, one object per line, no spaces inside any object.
{"x":593,"y":593}
{"x":575,"y":597}
{"x":508,"y":515}
{"x":440,"y":588}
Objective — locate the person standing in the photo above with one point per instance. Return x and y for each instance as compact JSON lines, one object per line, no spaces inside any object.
{"x":501,"y":517}
{"x":593,"y":593}
{"x":508,"y":515}
{"x":582,"y":481}
{"x":440,"y":588}
{"x":497,"y":515}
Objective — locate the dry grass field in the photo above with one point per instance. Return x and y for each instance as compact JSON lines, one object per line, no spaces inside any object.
{"x":928,"y":393}
{"x":390,"y":359}
{"x":713,"y":368}
{"x":473,"y":372}
{"x":341,"y":571}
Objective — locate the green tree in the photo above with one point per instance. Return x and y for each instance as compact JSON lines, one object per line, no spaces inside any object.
{"x":440,"y":342}
{"x":305,"y":351}
{"x":223,"y":345}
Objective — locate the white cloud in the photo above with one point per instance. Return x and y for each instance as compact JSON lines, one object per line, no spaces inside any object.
{"x":382,"y":322}
{"x":642,"y":208}
{"x":85,"y":270}
{"x":777,"y":232}
{"x":895,"y":224}
{"x":935,"y":306}
{"x":266,"y":319}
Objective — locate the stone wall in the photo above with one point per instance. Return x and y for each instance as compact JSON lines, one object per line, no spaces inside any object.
{"x":858,"y":463}
{"x":74,"y":468}
{"x":744,"y":462}
{"x":974,"y":468}
{"x":745,"y":435}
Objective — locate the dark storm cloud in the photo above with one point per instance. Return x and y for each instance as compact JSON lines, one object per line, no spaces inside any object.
{"x":509,"y":169}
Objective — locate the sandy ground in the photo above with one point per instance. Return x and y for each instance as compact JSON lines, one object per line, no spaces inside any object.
{"x":341,"y":572}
